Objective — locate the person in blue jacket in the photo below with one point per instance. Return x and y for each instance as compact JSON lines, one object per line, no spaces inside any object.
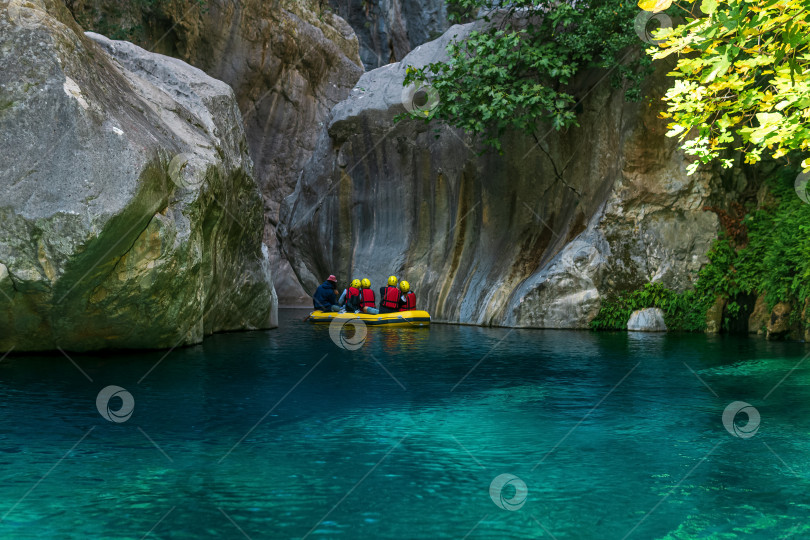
{"x":324,"y":298}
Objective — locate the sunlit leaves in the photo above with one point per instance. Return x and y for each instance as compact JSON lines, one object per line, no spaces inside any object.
{"x":749,"y":79}
{"x":654,"y":5}
{"x":708,"y":6}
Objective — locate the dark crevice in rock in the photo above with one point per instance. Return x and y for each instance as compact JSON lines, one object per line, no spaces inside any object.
{"x":738,"y":323}
{"x":557,"y":173}
{"x":10,"y":277}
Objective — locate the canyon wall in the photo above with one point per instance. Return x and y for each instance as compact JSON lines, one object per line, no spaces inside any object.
{"x":535,"y":237}
{"x":389,"y":29}
{"x":288,"y":61}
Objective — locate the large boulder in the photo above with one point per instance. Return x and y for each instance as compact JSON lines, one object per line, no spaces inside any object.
{"x":534,"y":237}
{"x":130,"y":216}
{"x":758,"y":320}
{"x":714,"y":315}
{"x":780,"y":324}
{"x":288,"y":61}
{"x":647,"y":320}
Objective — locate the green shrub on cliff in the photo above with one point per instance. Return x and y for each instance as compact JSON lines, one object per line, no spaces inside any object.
{"x":684,"y":311}
{"x":774,"y":260}
{"x":616,"y":311}
{"x":514,"y":74}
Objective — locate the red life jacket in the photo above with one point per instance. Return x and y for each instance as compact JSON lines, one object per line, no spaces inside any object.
{"x":391,"y":298}
{"x":352,"y":292}
{"x":410,"y":302}
{"x":368,"y":298}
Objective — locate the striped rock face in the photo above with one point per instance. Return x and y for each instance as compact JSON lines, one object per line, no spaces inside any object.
{"x":535,"y":237}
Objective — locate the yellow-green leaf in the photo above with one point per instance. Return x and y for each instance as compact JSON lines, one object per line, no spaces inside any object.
{"x":654,"y":5}
{"x":708,"y":6}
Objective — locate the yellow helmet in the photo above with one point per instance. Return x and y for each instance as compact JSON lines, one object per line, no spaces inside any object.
{"x":366,"y":283}
{"x":356,"y":283}
{"x":404,"y":286}
{"x":392,"y":280}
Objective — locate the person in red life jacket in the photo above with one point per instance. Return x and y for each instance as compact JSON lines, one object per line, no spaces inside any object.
{"x":344,"y":295}
{"x":368,"y":302}
{"x":354,"y":297}
{"x":389,"y":296}
{"x":407,"y":302}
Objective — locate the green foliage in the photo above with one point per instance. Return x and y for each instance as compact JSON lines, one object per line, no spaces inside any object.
{"x":775,"y":262}
{"x":513,"y":74}
{"x":682,"y":311}
{"x":718,"y":277}
{"x":743,"y":80}
{"x":777,"y":259}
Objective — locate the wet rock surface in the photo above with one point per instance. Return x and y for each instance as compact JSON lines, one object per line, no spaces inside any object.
{"x":714,"y":316}
{"x":758,"y":319}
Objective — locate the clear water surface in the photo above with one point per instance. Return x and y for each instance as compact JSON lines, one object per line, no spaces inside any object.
{"x":282,"y":434}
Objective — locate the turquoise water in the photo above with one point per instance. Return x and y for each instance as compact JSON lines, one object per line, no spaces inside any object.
{"x":259,"y":435}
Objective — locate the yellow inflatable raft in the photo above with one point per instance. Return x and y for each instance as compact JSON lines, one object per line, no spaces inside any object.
{"x":400,"y":318}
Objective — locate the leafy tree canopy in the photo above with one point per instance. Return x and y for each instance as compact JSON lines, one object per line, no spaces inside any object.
{"x":743,"y":80}
{"x":514,"y":72}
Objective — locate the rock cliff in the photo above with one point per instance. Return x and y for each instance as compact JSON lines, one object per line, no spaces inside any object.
{"x":531,"y":238}
{"x":288,"y":61}
{"x":390,"y":29}
{"x":130,"y":216}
